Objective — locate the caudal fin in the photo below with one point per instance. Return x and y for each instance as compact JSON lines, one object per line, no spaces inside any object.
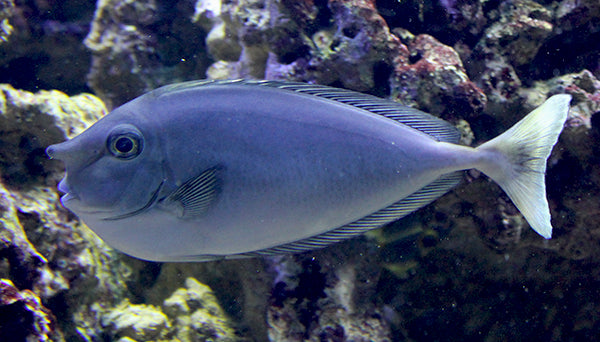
{"x":517,"y":160}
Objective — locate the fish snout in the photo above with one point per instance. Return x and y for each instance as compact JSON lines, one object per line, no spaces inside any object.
{"x":55,"y":151}
{"x":77,"y":152}
{"x":69,"y":151}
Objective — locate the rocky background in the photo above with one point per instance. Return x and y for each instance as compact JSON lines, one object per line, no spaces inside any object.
{"x":466,"y":267}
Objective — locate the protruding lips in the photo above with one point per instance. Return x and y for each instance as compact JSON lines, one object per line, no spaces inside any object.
{"x":61,"y":152}
{"x":67,"y":152}
{"x":70,"y":199}
{"x":63,"y":187}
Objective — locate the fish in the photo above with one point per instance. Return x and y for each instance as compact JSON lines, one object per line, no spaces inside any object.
{"x":209,"y":170}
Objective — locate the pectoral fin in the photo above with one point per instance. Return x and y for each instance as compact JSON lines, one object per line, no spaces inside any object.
{"x":194,"y":197}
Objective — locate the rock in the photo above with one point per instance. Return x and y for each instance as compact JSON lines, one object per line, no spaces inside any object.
{"x":509,"y":44}
{"x":7,"y":8}
{"x":24,"y":318}
{"x":435,"y":80}
{"x":573,"y":15}
{"x":324,"y":296}
{"x":206,"y":12}
{"x":197,"y":315}
{"x":517,"y":36}
{"x":137,"y":322}
{"x":250,"y":39}
{"x":222,"y":45}
{"x":466,"y":16}
{"x":44,"y":46}
{"x":30,"y":122}
{"x":138,"y":45}
{"x":232,"y":295}
{"x":44,"y":249}
{"x":356,"y":52}
{"x":450,"y":21}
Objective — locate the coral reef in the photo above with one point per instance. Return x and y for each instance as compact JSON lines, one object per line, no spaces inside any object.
{"x":466,"y":267}
{"x":138,"y":45}
{"x":36,"y":30}
{"x":484,"y":256}
{"x":54,"y":259}
{"x":434,"y":79}
{"x":44,"y":250}
{"x":326,"y":296}
{"x":6,"y":11}
{"x":135,"y":322}
{"x":197,"y":314}
{"x":24,"y":317}
{"x":510,"y":42}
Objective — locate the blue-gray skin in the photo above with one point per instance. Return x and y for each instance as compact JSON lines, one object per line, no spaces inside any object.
{"x":206,"y":170}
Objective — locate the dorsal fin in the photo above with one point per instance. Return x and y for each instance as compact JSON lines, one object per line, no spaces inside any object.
{"x":424,"y":122}
{"x":386,"y":215}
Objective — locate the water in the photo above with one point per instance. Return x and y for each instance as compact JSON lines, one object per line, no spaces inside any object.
{"x":465,"y":267}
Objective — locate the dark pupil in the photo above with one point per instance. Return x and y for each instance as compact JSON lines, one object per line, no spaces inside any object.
{"x":124,"y":145}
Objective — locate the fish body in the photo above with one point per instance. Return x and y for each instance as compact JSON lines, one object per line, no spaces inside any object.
{"x":205,"y":170}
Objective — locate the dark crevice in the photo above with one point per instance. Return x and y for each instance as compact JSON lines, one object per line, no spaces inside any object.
{"x":563,"y":54}
{"x":381,"y":78}
{"x":429,"y":17}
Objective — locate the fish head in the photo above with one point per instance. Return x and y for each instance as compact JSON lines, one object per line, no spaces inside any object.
{"x":113,"y":169}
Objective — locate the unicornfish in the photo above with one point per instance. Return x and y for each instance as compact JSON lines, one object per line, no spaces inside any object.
{"x":207,"y":170}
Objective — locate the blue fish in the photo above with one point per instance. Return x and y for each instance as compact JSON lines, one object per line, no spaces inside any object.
{"x":206,"y":170}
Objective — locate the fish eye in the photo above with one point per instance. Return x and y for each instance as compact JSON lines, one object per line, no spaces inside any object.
{"x":125,"y":142}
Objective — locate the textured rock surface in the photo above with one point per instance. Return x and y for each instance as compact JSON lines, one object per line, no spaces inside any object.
{"x":24,"y":317}
{"x":29,"y":57}
{"x":136,"y":322}
{"x":326,"y":295}
{"x":44,"y":249}
{"x":466,"y":267}
{"x":29,"y":122}
{"x":197,"y":314}
{"x":138,"y":45}
{"x":435,"y":79}
{"x":507,"y":44}
{"x":237,"y":302}
{"x":484,"y":257}
{"x":6,"y":12}
{"x":54,"y":259}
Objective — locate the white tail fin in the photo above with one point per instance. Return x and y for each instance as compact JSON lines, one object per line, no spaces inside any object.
{"x":517,"y":160}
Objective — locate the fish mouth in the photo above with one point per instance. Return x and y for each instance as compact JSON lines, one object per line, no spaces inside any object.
{"x":69,"y":195}
{"x":147,"y":206}
{"x":71,"y":201}
{"x":63,"y":186}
